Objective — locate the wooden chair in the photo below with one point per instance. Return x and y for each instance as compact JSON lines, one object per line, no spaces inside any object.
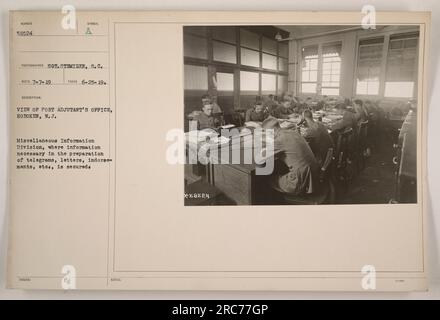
{"x":326,"y":189}
{"x":344,"y":156}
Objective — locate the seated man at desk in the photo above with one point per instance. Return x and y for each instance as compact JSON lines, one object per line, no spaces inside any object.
{"x":257,"y":113}
{"x":206,"y":118}
{"x":360,"y":112}
{"x":283,"y":110}
{"x":348,"y":118}
{"x":302,"y":172}
{"x":215,"y":107}
{"x":317,"y":135}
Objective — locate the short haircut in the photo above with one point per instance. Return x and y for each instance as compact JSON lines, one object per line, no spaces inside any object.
{"x":308,"y":114}
{"x":206,"y":102}
{"x":205,"y":96}
{"x":359,"y":102}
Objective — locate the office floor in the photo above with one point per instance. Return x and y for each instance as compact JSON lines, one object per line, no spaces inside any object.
{"x":376,"y":183}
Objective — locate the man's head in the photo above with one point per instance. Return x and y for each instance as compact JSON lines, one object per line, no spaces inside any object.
{"x":358,"y":102}
{"x":258,"y":107}
{"x":286,"y":103}
{"x":368,"y":103}
{"x":308,"y":115}
{"x":271,"y":97}
{"x":207,"y":107}
{"x":205,"y":98}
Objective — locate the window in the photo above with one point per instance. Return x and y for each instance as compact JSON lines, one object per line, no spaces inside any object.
{"x":250,"y":58}
{"x":269,"y":61}
{"x":249,"y":82}
{"x":268,"y":84}
{"x":249,"y":88}
{"x":219,"y":59}
{"x":269,"y":45}
{"x":224,"y":52}
{"x":369,"y":66}
{"x":196,"y":78}
{"x":225,"y":81}
{"x":331,"y":69}
{"x":401,"y":66}
{"x":226,"y":34}
{"x":309,"y":74}
{"x":249,"y":39}
{"x":195,"y":47}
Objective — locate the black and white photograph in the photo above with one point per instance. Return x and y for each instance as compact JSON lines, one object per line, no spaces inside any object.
{"x":300,"y":114}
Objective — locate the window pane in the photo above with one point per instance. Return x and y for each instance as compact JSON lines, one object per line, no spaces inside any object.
{"x":331,"y":65}
{"x":309,"y":69}
{"x":268,"y":83}
{"x":250,"y":57}
{"x":305,"y":77}
{"x":313,"y":64}
{"x":249,"y":81}
{"x":410,"y":43}
{"x":399,"y":89}
{"x":369,"y":67}
{"x":313,"y":76}
{"x":308,"y":87}
{"x":249,"y":88}
{"x":282,"y":64}
{"x":249,"y":39}
{"x":195,"y":77}
{"x":224,"y":52}
{"x":225,"y":81}
{"x":401,"y":63}
{"x":269,"y":45}
{"x":226,"y":34}
{"x":195,"y":47}
{"x":282,"y":84}
{"x":396,"y":44}
{"x":269,"y":62}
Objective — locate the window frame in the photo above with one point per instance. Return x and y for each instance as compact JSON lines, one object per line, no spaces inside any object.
{"x":320,"y":64}
{"x":215,"y":65}
{"x":382,"y":80}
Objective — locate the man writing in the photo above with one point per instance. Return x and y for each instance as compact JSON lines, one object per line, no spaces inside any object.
{"x":257,"y":113}
{"x":206,"y":119}
{"x":317,"y":135}
{"x":301,"y":176}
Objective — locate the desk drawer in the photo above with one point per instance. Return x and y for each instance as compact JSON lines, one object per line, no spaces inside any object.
{"x":236,"y":184}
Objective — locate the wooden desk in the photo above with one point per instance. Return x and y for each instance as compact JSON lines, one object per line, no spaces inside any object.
{"x":239,"y":181}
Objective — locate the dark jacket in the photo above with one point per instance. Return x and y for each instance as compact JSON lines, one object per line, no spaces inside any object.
{"x":296,"y":154}
{"x":319,"y":140}
{"x":251,"y":115}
